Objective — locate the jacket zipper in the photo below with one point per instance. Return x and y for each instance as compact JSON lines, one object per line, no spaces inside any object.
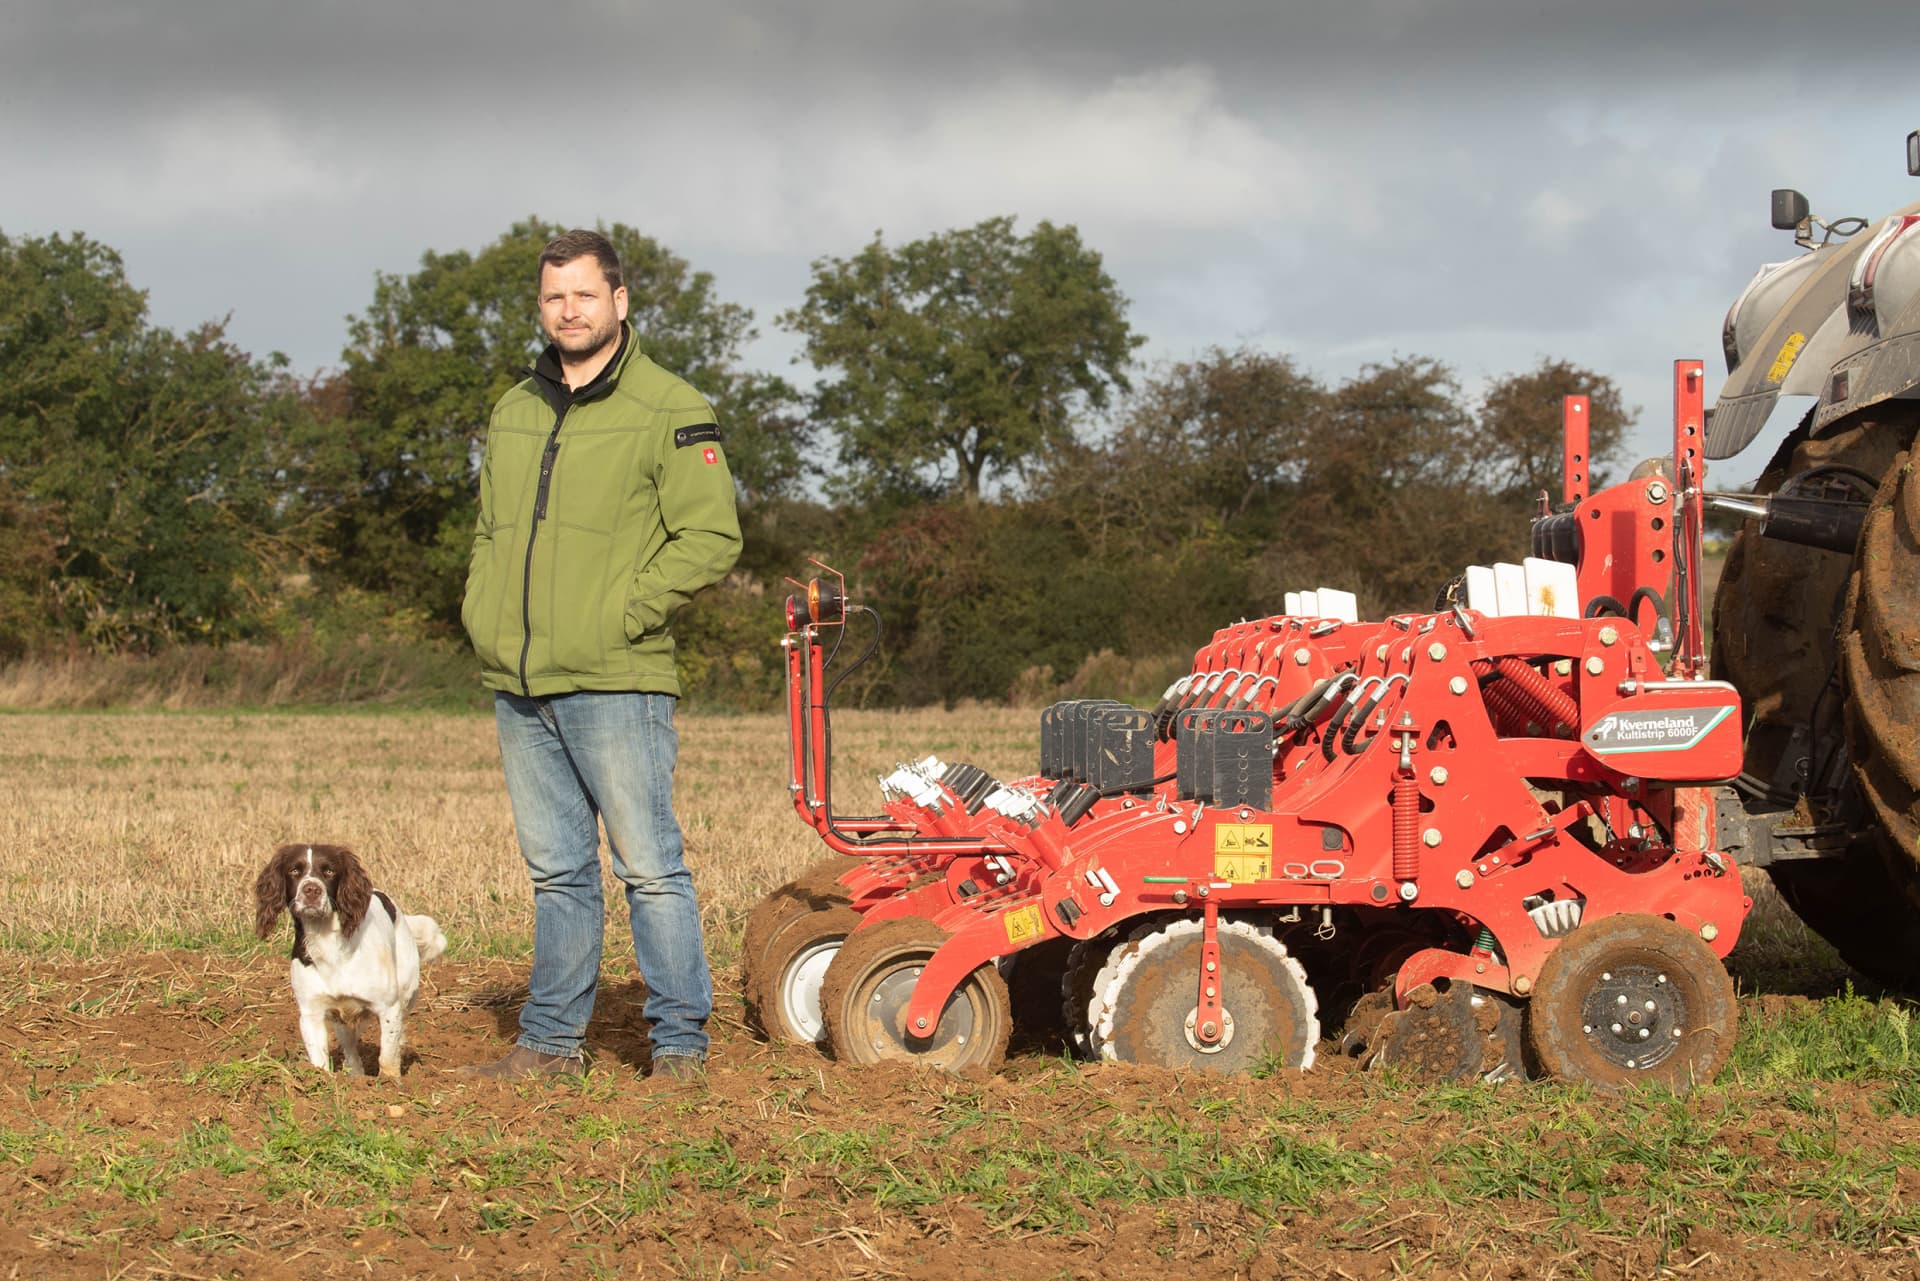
{"x":548,"y":456}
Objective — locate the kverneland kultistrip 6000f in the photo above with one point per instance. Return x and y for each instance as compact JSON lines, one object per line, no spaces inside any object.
{"x":1481,"y":838}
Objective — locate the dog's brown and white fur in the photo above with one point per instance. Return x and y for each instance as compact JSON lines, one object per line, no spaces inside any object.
{"x":353,"y":950}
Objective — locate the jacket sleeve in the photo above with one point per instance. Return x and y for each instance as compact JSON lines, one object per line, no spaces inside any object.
{"x":697,"y":508}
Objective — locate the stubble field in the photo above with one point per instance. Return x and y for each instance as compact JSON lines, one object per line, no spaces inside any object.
{"x":157,"y":1117}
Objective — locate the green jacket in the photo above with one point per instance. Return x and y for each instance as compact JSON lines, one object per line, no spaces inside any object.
{"x":601,"y":513}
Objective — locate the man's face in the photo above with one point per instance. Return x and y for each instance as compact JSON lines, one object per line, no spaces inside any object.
{"x":577,"y":309}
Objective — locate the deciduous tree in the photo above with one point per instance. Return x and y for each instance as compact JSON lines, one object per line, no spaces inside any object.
{"x":1521,"y":425}
{"x":147,"y":458}
{"x":961,"y":356}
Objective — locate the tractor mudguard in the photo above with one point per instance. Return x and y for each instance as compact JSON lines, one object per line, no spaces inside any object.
{"x":1748,"y":396}
{"x":1882,"y":369}
{"x":1846,"y":334}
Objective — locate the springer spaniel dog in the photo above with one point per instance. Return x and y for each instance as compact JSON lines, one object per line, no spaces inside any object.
{"x":353,"y":950}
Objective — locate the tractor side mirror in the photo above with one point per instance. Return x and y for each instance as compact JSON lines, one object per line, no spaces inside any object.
{"x":1790,"y":208}
{"x":1913,"y":153}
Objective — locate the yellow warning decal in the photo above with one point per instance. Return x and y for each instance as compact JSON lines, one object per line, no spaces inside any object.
{"x":1789,"y":352}
{"x":1243,"y":838}
{"x":1023,"y":923}
{"x":1242,"y":869}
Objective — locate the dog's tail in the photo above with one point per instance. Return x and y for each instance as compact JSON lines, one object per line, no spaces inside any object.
{"x":427,"y":937}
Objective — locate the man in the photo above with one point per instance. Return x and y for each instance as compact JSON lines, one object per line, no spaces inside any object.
{"x":605,"y":504}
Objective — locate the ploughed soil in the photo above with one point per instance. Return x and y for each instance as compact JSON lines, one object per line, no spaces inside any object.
{"x":157,"y":1118}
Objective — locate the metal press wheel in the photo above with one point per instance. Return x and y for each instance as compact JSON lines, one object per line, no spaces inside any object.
{"x":815,"y":890}
{"x":1632,"y":999}
{"x":864,"y":997}
{"x":791,"y":967}
{"x":1150,"y":1005}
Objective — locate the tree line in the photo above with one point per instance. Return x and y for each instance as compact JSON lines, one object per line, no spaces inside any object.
{"x":1028,"y":507}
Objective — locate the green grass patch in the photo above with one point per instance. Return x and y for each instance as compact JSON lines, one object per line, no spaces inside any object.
{"x":1842,"y":1038}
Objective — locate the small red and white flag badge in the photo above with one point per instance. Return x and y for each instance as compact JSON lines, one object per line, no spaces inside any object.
{"x":710,"y":456}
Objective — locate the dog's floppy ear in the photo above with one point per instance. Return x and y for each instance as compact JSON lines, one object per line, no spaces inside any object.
{"x":354,"y":894}
{"x":270,"y":890}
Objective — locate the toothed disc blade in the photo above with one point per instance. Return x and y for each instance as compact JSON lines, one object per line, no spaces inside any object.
{"x":1149,"y":1008}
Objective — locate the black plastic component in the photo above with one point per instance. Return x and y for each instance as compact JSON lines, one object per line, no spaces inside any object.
{"x":1789,"y":209}
{"x":1080,"y":740}
{"x":959,"y":777}
{"x":1052,"y":754}
{"x":1243,"y":759}
{"x":1193,"y":755}
{"x":1063,"y":733}
{"x":979,"y":788}
{"x":1078,"y":804}
{"x":1068,"y":911}
{"x":1122,"y":755}
{"x":977,"y":791}
{"x":967,"y":889}
{"x":1557,"y":537}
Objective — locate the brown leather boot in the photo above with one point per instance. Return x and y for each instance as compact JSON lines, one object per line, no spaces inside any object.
{"x":680,"y":1067}
{"x":522,"y":1062}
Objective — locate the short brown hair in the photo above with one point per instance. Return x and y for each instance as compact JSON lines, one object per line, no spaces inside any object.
{"x":569,"y":245}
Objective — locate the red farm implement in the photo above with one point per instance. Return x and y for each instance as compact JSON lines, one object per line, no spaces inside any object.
{"x":1482,"y":838}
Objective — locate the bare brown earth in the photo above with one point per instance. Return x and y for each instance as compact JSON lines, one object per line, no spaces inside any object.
{"x":157,"y":1120}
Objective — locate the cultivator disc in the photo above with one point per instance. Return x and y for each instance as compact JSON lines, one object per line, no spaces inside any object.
{"x":1632,"y":999}
{"x":1146,"y":1008}
{"x":1462,"y":1034}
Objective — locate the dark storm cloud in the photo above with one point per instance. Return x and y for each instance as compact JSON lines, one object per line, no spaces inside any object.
{"x":1486,"y":182}
{"x":96,"y":54}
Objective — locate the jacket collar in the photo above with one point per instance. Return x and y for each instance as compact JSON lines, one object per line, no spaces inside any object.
{"x":552,"y":380}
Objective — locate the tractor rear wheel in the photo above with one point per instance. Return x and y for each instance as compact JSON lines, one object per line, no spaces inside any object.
{"x":863,"y":1001}
{"x":1785,"y":619}
{"x":815,"y":890}
{"x":1630,"y":999}
{"x":1881,"y":662}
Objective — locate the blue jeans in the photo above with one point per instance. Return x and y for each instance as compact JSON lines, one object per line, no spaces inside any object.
{"x":568,"y":760}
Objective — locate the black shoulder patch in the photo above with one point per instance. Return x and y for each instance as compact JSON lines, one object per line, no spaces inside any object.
{"x":387,"y":903}
{"x":705,"y":434}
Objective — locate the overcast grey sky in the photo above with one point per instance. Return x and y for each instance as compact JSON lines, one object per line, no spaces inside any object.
{"x":1486,"y":181}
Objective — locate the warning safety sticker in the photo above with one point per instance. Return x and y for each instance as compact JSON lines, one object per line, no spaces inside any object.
{"x":1022,"y":923}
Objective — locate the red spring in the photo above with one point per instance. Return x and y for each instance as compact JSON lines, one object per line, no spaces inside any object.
{"x":1406,"y":829}
{"x":1507,"y":708}
{"x":1556,"y":707}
